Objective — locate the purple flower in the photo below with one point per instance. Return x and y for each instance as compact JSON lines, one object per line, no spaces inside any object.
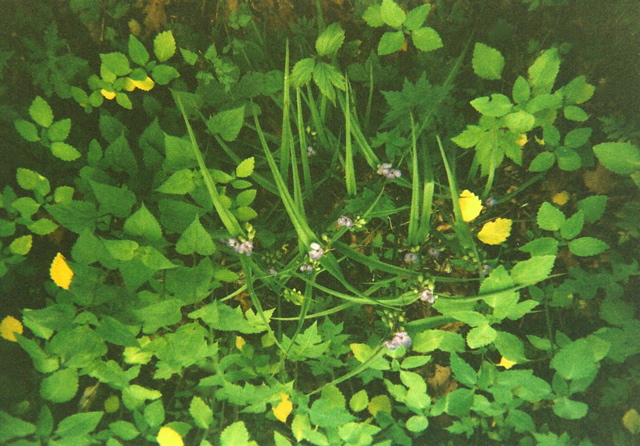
{"x":433,"y":252}
{"x":316,"y":252}
{"x":427,"y":296}
{"x":401,"y":339}
{"x":306,"y":268}
{"x":345,"y":222}
{"x":411,"y":257}
{"x":311,"y":151}
{"x":490,"y":202}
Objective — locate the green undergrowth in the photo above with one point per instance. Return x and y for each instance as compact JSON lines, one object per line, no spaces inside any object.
{"x":332,"y":233}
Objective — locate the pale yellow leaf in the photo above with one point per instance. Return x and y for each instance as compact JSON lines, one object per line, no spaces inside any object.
{"x":108,"y":94}
{"x":169,"y":437}
{"x":495,"y":232}
{"x":561,"y":198}
{"x":284,"y":408}
{"x":470,"y":205}
{"x":60,"y":272}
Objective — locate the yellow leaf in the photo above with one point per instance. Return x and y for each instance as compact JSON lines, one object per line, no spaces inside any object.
{"x":145,"y":85}
{"x":506,"y":363}
{"x":108,"y":94}
{"x":9,"y":327}
{"x":284,"y":408}
{"x":561,"y":198}
{"x":470,"y":205}
{"x":169,"y":437}
{"x":60,"y":272}
{"x":379,"y":403}
{"x":495,"y":232}
{"x":240,"y":342}
{"x":631,"y":420}
{"x":523,"y":140}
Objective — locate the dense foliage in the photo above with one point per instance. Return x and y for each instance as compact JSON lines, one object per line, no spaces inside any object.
{"x":335,"y":223}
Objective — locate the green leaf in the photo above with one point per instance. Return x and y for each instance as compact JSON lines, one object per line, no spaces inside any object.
{"x":430,"y":340}
{"x":481,"y":336}
{"x":532,"y":271}
{"x":134,"y":396}
{"x":521,"y":91}
{"x":220,"y":316}
{"x":22,"y":245}
{"x":463,"y":372}
{"x":154,"y":413}
{"x":160,"y":314}
{"x":426,"y":39}
{"x":520,"y":121}
{"x":587,"y":246}
{"x":390,"y":42}
{"x":179,"y":154}
{"x":245,"y":213}
{"x":578,"y":91}
{"x":121,"y":249}
{"x":143,"y":223}
{"x":30,"y":180}
{"x":201,"y":413}
{"x":195,"y":239}
{"x":359,"y":401}
{"x":487,"y":62}
{"x":235,"y":434}
{"x":541,"y":247}
{"x":373,"y":16}
{"x":245,"y":168}
{"x":41,"y":113}
{"x":59,"y":130}
{"x":164,"y":46}
{"x":572,"y":226}
{"x":245,"y":198}
{"x":124,"y":429}
{"x":326,"y":77}
{"x":392,"y":14}
{"x":227,"y":123}
{"x":163,"y":74}
{"x":575,"y":113}
{"x":113,"y":200}
{"x":549,"y":217}
{"x":575,"y":361}
{"x":116,"y":63}
{"x":496,"y":106}
{"x":543,"y":72}
{"x":416,"y":17}
{"x":469,"y":137}
{"x":43,"y":226}
{"x":189,"y":56}
{"x":64,"y":151}
{"x":417,"y":423}
{"x":179,"y":183}
{"x":543,"y":161}
{"x":593,"y":207}
{"x":26,"y":206}
{"x":11,"y":427}
{"x":330,"y":40}
{"x":302,"y":71}
{"x":60,"y":386}
{"x":577,"y":138}
{"x":620,"y":157}
{"x":78,"y":424}
{"x":63,"y":194}
{"x":42,"y":362}
{"x":569,"y":409}
{"x":568,"y":160}
{"x":510,"y":347}
{"x":137,"y":52}
{"x":551,"y":135}
{"x":27,"y":130}
{"x":75,"y":216}
{"x":123,"y":100}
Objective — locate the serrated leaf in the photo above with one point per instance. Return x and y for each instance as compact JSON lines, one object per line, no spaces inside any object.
{"x":593,"y":207}
{"x":587,"y":246}
{"x":59,"y":387}
{"x":180,"y":183}
{"x":302,"y":72}
{"x":426,"y":39}
{"x":22,"y":245}
{"x":143,"y":223}
{"x":487,"y":62}
{"x":577,"y":137}
{"x":568,"y":160}
{"x":116,"y":63}
{"x":163,"y":74}
{"x":578,"y":90}
{"x":549,"y":217}
{"x":543,"y":161}
{"x":195,"y":239}
{"x":59,"y":130}
{"x":496,"y":106}
{"x":123,"y":100}
{"x":469,"y":137}
{"x":520,"y":121}
{"x":619,"y":157}
{"x":481,"y":336}
{"x":521,"y":91}
{"x":234,"y":435}
{"x":64,"y":151}
{"x":543,"y":72}
{"x":245,"y":198}
{"x":30,"y":180}
{"x":137,"y":52}
{"x":392,"y":14}
{"x":532,"y":271}
{"x":416,"y":17}
{"x":326,"y":77}
{"x":227,"y":123}
{"x":41,"y":112}
{"x":201,"y":413}
{"x":164,"y":46}
{"x":390,"y":42}
{"x":330,"y":40}
{"x":575,"y":113}
{"x":27,"y":130}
